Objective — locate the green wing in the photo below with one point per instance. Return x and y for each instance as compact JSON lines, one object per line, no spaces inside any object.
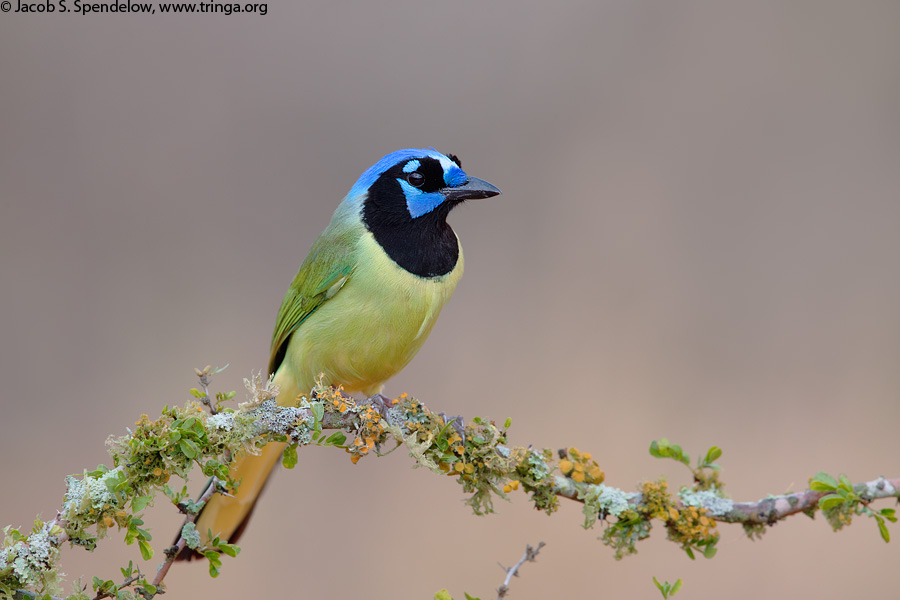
{"x":329,"y":264}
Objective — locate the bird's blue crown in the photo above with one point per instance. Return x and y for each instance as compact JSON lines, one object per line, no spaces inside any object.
{"x":418,"y":202}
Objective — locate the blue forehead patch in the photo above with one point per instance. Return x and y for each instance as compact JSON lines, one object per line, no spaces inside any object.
{"x":411,"y":166}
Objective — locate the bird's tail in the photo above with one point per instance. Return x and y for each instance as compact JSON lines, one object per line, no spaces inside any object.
{"x":227,"y":516}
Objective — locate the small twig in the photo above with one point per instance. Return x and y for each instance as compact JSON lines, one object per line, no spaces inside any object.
{"x":172,"y":552}
{"x":204,"y":383}
{"x":513,"y":571}
{"x":126,"y":583}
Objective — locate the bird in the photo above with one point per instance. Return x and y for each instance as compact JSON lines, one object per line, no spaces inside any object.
{"x":363,"y":302}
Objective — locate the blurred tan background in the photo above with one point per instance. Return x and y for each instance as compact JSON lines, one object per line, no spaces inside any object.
{"x":698,"y":239}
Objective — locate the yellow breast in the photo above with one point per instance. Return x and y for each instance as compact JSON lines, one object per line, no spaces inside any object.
{"x":370,"y":329}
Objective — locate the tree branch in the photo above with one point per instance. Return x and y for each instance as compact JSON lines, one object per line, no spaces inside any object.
{"x":762,"y":512}
{"x":482,"y":461}
{"x":179,"y":545}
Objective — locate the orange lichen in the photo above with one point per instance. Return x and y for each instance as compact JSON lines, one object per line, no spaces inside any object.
{"x":581,"y":467}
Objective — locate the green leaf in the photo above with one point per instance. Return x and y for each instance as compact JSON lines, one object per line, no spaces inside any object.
{"x":197,"y":393}
{"x":318,"y":411}
{"x":468,"y":597}
{"x":289,"y":458}
{"x":229,"y":549}
{"x":127,"y":571}
{"x":845,"y":483}
{"x":112,"y":482}
{"x":713,"y":454}
{"x":830,"y":501}
{"x":690,"y":553}
{"x":709,"y":551}
{"x":664,"y":449}
{"x":658,"y":584}
{"x":823,"y":482}
{"x":189,"y":448}
{"x":507,"y":423}
{"x":885,"y":534}
{"x":888,"y":513}
{"x":676,"y":586}
{"x":139,"y":503}
{"x":336,"y":439}
{"x":151,"y":589}
{"x":214,"y":562}
{"x":146,"y":549}
{"x":100,"y":470}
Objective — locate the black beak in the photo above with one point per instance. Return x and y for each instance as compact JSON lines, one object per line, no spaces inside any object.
{"x":472,"y":190}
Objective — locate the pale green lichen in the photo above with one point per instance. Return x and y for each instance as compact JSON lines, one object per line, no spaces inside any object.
{"x":418,"y":450}
{"x":29,"y":562}
{"x":222,"y":420}
{"x":191,"y":535}
{"x":600,"y":499}
{"x":90,"y":494}
{"x":714,"y":504}
{"x":274,"y":419}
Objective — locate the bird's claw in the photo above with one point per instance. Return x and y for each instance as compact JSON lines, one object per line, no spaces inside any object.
{"x":380,"y":402}
{"x":458,"y":424}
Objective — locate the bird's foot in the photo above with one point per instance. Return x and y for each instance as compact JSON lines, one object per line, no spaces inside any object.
{"x":380,"y":402}
{"x":458,"y":424}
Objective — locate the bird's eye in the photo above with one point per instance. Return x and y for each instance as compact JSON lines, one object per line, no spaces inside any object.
{"x":415,"y":179}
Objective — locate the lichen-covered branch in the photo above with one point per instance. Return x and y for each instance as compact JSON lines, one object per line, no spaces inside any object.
{"x":479,"y":456}
{"x":767,"y":511}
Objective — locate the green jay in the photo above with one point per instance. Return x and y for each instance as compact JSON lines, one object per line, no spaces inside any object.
{"x":363,"y":302}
